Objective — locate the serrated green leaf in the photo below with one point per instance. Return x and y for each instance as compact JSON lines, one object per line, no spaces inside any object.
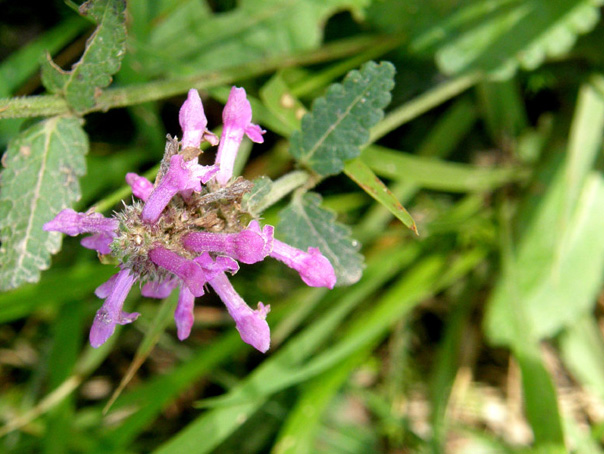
{"x":101,"y":59}
{"x":42,"y":167}
{"x":305,"y":224}
{"x":339,"y":123}
{"x":498,"y":36}
{"x":22,"y":64}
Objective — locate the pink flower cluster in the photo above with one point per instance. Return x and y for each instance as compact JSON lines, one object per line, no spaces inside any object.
{"x":195,"y":257}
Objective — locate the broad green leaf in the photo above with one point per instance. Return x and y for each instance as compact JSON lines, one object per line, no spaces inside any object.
{"x":338,"y":124}
{"x":555,"y":278}
{"x":256,"y":29}
{"x":559,"y":262}
{"x":498,"y":36}
{"x":362,"y":175}
{"x":582,"y":350}
{"x":40,"y":178}
{"x":101,"y":59}
{"x":305,"y":224}
{"x":540,"y":399}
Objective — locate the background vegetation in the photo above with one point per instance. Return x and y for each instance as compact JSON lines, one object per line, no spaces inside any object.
{"x":482,"y":334}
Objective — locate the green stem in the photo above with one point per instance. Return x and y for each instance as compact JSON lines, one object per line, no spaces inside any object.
{"x":47,"y":105}
{"x":323,"y":78}
{"x":422,"y":104}
{"x":281,"y":187}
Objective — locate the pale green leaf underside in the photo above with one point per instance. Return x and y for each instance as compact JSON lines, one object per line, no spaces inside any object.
{"x":338,"y":124}
{"x":41,"y":178}
{"x":101,"y":59}
{"x":305,"y":224}
{"x":500,"y":35}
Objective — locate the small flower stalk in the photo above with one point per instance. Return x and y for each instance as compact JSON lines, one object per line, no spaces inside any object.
{"x":188,"y":230}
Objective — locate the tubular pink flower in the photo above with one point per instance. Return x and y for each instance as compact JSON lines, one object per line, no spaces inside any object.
{"x":212,"y":267}
{"x":193,"y":122}
{"x":159,"y":290}
{"x":248,"y":246}
{"x":237,"y":119}
{"x":189,"y":271}
{"x":181,"y":176}
{"x":72,"y":223}
{"x":251,"y":324}
{"x":314,"y":268}
{"x":104,"y":290}
{"x":99,"y":242}
{"x":141,"y":187}
{"x":183,"y":315}
{"x":115,"y":291}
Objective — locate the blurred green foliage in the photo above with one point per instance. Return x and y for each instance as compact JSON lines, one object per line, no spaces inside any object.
{"x":482,"y":334}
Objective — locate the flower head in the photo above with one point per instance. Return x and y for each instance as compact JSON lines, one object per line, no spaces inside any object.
{"x":187,"y":231}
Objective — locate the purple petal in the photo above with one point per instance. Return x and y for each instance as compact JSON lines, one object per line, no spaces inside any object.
{"x":181,"y":176}
{"x":104,"y":290}
{"x":251,"y":324}
{"x":267,"y":232}
{"x":190,"y":272}
{"x":72,"y":223}
{"x":99,"y":242}
{"x":237,"y":112}
{"x":212,"y":267}
{"x":237,"y":117}
{"x":247,"y":246}
{"x":183,"y":315}
{"x":141,"y":187}
{"x":192,"y":120}
{"x":314,"y":268}
{"x":254,"y":132}
{"x":111,"y":312}
{"x":159,"y":290}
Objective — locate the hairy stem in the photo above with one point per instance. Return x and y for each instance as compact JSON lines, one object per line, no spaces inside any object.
{"x":47,"y":105}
